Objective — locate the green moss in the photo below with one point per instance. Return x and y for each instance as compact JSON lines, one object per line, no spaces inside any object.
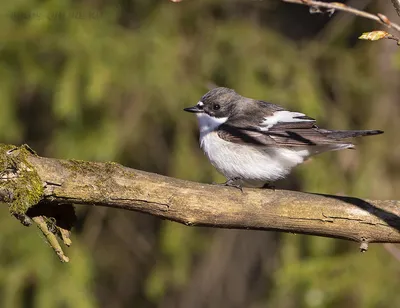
{"x":103,"y":172}
{"x":22,"y":178}
{"x":82,"y":167}
{"x":102,"y":175}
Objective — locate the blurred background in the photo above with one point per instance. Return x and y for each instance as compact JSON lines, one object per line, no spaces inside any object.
{"x":107,"y":81}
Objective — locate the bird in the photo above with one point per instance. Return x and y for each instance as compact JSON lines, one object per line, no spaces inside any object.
{"x":254,"y":143}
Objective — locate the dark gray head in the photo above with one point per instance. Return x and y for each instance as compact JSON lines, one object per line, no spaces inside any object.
{"x":218,"y":102}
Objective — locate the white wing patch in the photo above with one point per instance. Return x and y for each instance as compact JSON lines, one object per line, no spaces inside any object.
{"x":283,"y":116}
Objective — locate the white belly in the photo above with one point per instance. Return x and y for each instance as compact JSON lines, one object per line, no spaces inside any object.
{"x":250,"y":163}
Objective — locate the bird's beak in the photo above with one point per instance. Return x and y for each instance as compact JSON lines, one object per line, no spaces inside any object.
{"x":194,"y":109}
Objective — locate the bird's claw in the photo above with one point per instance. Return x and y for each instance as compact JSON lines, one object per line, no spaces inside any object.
{"x":231,"y":183}
{"x":269,"y":186}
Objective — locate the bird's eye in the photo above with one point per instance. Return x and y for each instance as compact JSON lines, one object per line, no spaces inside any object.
{"x":216,"y":107}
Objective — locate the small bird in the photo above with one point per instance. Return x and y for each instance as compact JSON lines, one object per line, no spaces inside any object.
{"x":253,"y":142}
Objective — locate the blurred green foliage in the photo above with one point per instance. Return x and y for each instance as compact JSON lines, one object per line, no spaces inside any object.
{"x":108,"y":81}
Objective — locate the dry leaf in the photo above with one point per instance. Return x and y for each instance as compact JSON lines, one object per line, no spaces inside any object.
{"x":374,"y":35}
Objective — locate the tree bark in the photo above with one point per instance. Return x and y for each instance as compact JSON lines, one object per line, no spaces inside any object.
{"x":67,"y":182}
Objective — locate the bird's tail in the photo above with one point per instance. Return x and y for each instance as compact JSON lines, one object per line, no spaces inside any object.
{"x":344,"y":134}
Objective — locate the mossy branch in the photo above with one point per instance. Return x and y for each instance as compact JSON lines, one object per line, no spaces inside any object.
{"x":68,"y":182}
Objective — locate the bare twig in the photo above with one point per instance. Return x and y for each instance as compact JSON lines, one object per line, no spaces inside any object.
{"x":196,"y":204}
{"x":395,"y":39}
{"x":396,"y":4}
{"x":335,"y":27}
{"x":50,"y":237}
{"x":332,"y":6}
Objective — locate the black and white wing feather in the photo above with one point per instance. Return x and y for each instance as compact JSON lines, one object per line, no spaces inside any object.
{"x":283,"y":128}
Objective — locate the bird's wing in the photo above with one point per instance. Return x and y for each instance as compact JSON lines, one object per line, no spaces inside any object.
{"x":285,"y":119}
{"x":268,"y":117}
{"x":286,"y":137}
{"x":278,"y":128}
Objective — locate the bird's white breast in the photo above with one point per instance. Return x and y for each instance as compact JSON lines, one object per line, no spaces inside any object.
{"x":255,"y":164}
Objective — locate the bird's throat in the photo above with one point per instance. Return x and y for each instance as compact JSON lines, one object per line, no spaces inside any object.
{"x":208,"y":123}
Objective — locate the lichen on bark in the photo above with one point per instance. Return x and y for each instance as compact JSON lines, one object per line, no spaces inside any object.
{"x":19,"y":178}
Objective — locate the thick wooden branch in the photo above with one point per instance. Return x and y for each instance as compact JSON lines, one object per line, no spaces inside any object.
{"x":67,"y":182}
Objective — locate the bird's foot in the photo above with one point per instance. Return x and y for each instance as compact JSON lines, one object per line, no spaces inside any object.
{"x":235,"y":182}
{"x":269,"y":186}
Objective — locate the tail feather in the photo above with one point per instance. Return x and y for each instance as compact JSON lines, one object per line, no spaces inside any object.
{"x":344,"y":134}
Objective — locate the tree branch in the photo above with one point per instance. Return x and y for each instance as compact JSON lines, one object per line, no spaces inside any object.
{"x":396,"y":4}
{"x":380,"y":18}
{"x":67,"y":182}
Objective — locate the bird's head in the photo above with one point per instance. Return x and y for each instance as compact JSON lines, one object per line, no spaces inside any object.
{"x":217,"y":103}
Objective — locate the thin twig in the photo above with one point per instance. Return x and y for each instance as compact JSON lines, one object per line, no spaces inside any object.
{"x":396,"y":4}
{"x":391,"y":37}
{"x":380,"y":18}
{"x":50,"y":237}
